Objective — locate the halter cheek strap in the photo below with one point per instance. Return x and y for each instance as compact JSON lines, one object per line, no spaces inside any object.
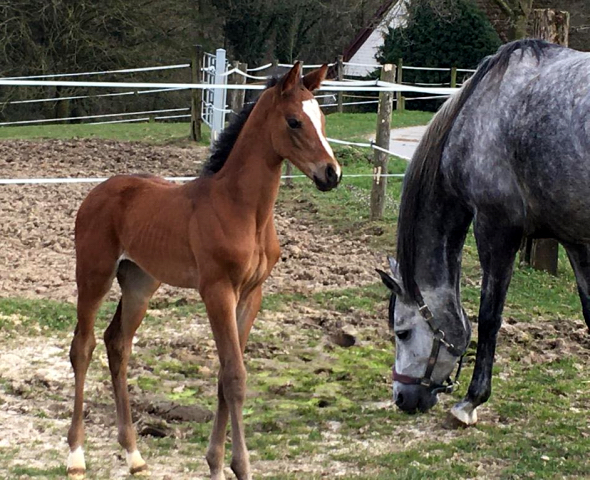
{"x":437,"y":341}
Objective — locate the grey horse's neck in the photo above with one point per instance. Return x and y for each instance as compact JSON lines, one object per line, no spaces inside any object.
{"x":441,"y":229}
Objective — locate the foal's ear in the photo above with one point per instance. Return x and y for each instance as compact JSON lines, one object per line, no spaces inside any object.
{"x":313,"y":80}
{"x":389,"y":282}
{"x":291,"y":78}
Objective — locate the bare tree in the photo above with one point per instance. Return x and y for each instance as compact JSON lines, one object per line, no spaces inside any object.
{"x":518,"y":11}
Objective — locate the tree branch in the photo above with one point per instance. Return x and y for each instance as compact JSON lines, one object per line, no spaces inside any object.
{"x":505,"y":7}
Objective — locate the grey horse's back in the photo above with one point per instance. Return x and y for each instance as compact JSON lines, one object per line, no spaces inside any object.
{"x":522,"y":142}
{"x":552,"y":146}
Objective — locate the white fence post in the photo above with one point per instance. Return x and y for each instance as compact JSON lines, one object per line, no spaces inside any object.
{"x":219,"y":95}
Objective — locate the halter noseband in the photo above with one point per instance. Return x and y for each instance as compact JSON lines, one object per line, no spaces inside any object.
{"x":438,"y":340}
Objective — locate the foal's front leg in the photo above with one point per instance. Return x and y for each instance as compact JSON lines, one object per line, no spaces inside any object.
{"x":497,"y":248}
{"x":246,"y":311}
{"x":231,"y":323}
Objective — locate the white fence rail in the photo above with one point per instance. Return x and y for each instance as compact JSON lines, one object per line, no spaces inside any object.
{"x":333,"y":86}
{"x":214,"y":77}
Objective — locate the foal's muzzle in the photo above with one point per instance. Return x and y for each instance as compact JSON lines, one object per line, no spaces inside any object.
{"x":327,"y":178}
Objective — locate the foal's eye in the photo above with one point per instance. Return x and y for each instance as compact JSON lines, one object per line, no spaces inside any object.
{"x":294,"y":123}
{"x":403,"y":335}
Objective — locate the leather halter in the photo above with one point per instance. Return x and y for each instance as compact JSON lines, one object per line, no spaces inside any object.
{"x":438,"y":340}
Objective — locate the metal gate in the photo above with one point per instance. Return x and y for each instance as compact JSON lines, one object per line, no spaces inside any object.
{"x":213,"y":107}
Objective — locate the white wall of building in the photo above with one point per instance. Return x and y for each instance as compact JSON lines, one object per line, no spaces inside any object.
{"x":394,"y":18}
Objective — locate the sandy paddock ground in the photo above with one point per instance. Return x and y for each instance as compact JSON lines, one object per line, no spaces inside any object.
{"x":36,"y":228}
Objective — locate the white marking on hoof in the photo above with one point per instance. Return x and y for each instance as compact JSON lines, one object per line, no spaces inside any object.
{"x":218,"y":476}
{"x":136,"y":464}
{"x":76,"y":464}
{"x":465,"y":413}
{"x":76,"y":475}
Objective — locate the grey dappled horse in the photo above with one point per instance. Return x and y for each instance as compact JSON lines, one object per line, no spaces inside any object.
{"x":510,"y":152}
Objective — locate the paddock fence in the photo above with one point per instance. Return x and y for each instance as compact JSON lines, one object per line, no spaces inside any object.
{"x":218,"y":88}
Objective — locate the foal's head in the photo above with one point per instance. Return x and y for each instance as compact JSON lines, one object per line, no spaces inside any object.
{"x":298,"y":127}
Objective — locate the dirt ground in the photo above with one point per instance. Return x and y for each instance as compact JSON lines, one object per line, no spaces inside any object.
{"x":36,"y":221}
{"x":37,"y":259}
{"x":36,"y":227}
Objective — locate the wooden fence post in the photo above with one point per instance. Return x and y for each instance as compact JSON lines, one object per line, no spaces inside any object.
{"x":400,"y":105}
{"x":553,"y":26}
{"x":273,"y":69}
{"x":380,"y":159}
{"x":340,"y":77}
{"x":196,"y":93}
{"x":62,"y":107}
{"x":453,"y":77}
{"x":236,"y":97}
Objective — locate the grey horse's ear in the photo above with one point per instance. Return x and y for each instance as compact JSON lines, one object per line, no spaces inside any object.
{"x":394,"y":268}
{"x":389,"y":282}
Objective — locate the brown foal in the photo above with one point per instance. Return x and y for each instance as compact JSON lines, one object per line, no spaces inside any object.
{"x":215,"y":234}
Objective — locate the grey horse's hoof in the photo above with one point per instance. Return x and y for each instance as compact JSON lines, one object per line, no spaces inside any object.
{"x":465,"y":413}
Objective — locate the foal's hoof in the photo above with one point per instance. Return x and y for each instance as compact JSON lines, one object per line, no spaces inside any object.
{"x":76,"y":465}
{"x":141,"y":471}
{"x":218,"y":476}
{"x":76,"y":473}
{"x":465,"y":413}
{"x":136,"y":464}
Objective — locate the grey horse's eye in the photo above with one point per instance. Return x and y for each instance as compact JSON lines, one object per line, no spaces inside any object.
{"x":403,"y":335}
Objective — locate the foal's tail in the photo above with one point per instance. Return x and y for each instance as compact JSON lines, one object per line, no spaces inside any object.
{"x":422,"y":172}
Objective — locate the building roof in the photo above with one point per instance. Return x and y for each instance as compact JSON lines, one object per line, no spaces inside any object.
{"x":579,"y":33}
{"x":364,"y":34}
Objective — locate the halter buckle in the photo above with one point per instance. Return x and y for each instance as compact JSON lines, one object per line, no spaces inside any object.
{"x":425,"y":312}
{"x":425,"y":382}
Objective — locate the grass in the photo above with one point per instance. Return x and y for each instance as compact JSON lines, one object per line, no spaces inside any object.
{"x":154,"y":133}
{"x":351,"y":126}
{"x":355,"y":126}
{"x":315,"y":404}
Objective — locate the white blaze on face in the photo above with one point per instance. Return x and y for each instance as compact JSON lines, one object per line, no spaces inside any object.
{"x":312,"y":109}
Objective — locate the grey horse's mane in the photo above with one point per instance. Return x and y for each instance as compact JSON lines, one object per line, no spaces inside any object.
{"x":422,"y":173}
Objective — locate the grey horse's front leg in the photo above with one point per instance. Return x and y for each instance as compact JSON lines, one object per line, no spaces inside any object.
{"x":579,"y":255}
{"x":497,"y":248}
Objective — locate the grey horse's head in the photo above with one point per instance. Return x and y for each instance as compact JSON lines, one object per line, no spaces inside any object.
{"x":429,"y":341}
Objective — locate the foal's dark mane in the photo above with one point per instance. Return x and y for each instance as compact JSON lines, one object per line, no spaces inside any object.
{"x":423,"y":171}
{"x":228,"y":137}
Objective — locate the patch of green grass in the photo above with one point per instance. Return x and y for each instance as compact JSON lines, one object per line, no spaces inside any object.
{"x":148,"y":384}
{"x":345,"y":300}
{"x":46,"y":314}
{"x":360,"y":298}
{"x":339,"y":125}
{"x":156,"y":133}
{"x":358,"y":126}
{"x":52,"y":472}
{"x":18,"y":315}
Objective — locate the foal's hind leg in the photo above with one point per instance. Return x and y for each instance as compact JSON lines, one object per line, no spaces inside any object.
{"x":579,"y":255}
{"x":137,"y":288}
{"x":93,"y":284}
